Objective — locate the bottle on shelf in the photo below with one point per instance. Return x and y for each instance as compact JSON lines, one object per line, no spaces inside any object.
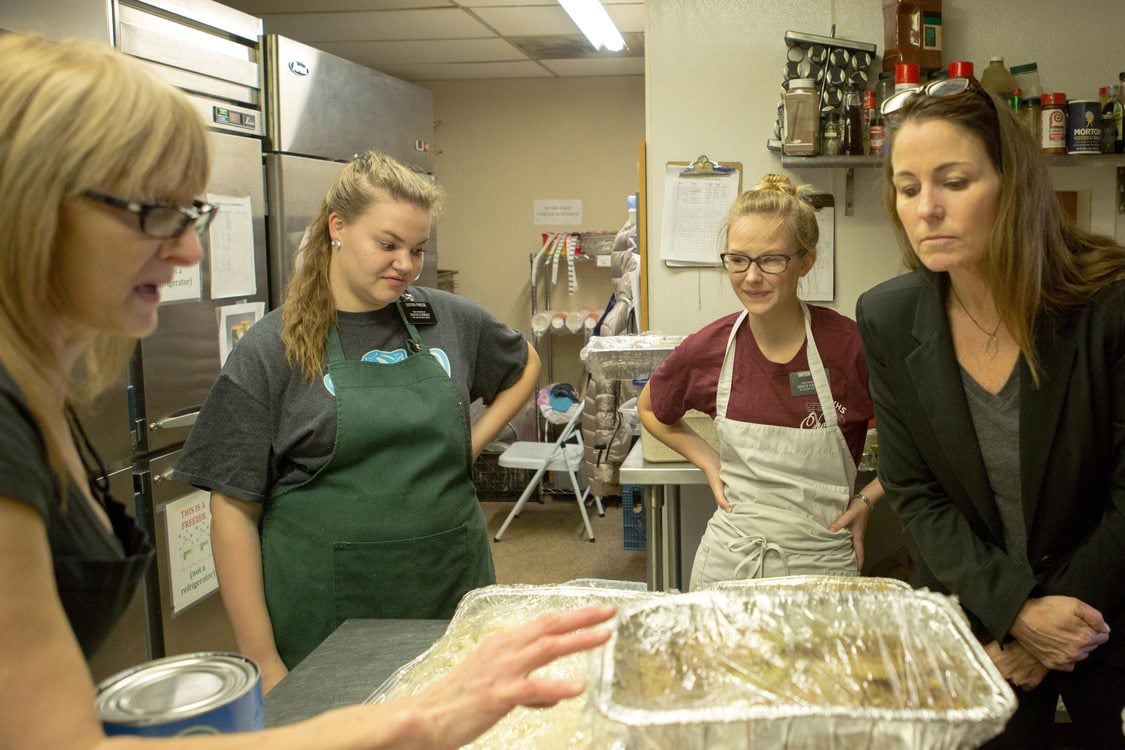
{"x":1027,"y":78}
{"x":1052,"y":127}
{"x":802,"y":118}
{"x":907,"y":76}
{"x":851,"y":141}
{"x":998,"y":80}
{"x":1115,"y":110}
{"x":831,"y":139}
{"x":960,"y":69}
{"x":912,"y":33}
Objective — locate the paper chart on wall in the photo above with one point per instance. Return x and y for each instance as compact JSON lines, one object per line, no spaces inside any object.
{"x":232,"y":247}
{"x":694,"y":211}
{"x":819,"y":285}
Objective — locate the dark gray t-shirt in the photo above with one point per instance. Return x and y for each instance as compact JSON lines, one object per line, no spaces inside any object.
{"x":264,"y":426}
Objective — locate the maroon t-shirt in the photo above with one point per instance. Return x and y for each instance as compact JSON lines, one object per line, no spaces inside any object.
{"x":765,"y":392}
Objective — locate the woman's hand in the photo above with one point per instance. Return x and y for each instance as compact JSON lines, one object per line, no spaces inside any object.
{"x":854,"y":517}
{"x":1016,"y":665}
{"x":496,"y":677}
{"x":1059,"y":631}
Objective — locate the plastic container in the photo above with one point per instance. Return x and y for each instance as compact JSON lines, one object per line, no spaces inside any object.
{"x":912,"y":33}
{"x":1029,"y":115}
{"x":802,"y":118}
{"x":1027,"y":78}
{"x":998,"y":80}
{"x":1052,"y":123}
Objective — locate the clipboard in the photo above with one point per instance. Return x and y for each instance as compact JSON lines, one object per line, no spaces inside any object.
{"x":697,"y":196}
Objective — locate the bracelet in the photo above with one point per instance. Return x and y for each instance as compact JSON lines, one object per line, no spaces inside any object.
{"x":866,"y":500}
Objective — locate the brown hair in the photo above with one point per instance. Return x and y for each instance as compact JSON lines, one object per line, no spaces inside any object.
{"x":63,"y":131}
{"x":776,"y":195}
{"x":309,"y":309}
{"x":1036,"y":262}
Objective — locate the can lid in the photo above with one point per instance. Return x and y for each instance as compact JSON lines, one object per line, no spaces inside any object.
{"x":802,"y":83}
{"x":1053,"y":98}
{"x":906,"y":73}
{"x":960,"y":69}
{"x":174,"y":688}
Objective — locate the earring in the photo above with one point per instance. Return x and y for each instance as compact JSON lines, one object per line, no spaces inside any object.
{"x":335,"y":244}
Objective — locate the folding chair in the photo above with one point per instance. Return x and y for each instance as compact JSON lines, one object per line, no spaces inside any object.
{"x":560,"y":455}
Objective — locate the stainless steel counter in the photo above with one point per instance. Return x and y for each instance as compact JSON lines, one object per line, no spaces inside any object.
{"x":348,"y":666}
{"x":662,"y":521}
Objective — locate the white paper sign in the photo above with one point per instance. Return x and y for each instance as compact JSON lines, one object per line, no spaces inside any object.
{"x":558,"y":211}
{"x":694,"y":211}
{"x":232,"y":247}
{"x":192,"y":569}
{"x":234,"y":322}
{"x":186,"y":284}
{"x":819,"y":285}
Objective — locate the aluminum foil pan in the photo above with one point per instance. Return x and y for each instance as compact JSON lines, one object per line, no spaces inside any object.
{"x":813,"y":583}
{"x":627,"y":357}
{"x":787,"y":668}
{"x":491,"y":609}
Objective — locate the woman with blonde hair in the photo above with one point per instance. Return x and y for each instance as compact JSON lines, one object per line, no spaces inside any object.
{"x":786,"y":384}
{"x":998,"y":375}
{"x":98,"y":212}
{"x":340,"y":428}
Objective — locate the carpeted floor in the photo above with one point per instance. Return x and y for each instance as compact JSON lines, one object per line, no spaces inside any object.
{"x":547,"y":543}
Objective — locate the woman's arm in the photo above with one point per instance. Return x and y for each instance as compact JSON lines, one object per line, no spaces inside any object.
{"x":47,"y":695}
{"x":857,"y":514}
{"x":506,"y":405}
{"x":681,"y":438}
{"x":237,"y":549}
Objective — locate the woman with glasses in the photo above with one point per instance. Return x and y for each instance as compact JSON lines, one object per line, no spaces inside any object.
{"x":998,"y":376}
{"x":98,"y":212}
{"x":786,"y":385}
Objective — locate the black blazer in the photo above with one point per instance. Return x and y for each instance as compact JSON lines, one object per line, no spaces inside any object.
{"x":1072,"y":456}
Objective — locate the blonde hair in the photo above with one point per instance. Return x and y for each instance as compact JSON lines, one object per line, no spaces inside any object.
{"x":309,"y":309}
{"x":75,"y":116}
{"x":776,"y":195}
{"x":1036,"y":261}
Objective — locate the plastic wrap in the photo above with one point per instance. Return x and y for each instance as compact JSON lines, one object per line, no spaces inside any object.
{"x":491,"y":609}
{"x":627,"y":357}
{"x":813,"y":583}
{"x":788,"y":668}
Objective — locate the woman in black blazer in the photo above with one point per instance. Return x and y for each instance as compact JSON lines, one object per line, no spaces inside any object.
{"x":997,"y":369}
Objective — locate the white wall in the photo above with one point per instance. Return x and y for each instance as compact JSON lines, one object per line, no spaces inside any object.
{"x":713,"y":75}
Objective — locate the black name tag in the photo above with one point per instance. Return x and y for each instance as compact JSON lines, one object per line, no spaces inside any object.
{"x":419,"y":312}
{"x":801,"y":383}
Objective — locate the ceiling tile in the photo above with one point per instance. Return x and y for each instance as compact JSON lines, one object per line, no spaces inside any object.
{"x":530,"y":21}
{"x":600,"y":66}
{"x":627,"y":17}
{"x":500,"y":3}
{"x":457,"y":71}
{"x":380,"y":54}
{"x":264,"y":7}
{"x":438,"y":23}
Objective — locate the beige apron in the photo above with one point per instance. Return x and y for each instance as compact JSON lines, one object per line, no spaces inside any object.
{"x":785,"y":486}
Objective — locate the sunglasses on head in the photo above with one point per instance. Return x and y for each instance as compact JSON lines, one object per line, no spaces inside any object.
{"x":942,"y":87}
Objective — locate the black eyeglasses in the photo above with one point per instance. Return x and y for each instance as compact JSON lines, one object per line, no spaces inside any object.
{"x":773,"y":263}
{"x":162,"y":221}
{"x":940,"y":88}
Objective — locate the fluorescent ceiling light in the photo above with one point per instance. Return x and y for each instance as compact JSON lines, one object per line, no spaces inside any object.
{"x":595,"y":23}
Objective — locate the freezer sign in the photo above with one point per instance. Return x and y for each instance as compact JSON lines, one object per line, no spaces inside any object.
{"x":225,"y":116}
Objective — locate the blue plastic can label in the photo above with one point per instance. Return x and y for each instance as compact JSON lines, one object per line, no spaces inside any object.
{"x":1084,"y":127}
{"x":183,"y":696}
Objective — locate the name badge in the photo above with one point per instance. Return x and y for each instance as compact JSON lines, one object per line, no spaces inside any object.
{"x":801,"y":383}
{"x":419,"y":312}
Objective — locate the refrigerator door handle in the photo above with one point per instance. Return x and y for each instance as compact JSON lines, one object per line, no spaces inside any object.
{"x":171,"y":423}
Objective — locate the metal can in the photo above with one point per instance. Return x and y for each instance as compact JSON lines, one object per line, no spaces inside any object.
{"x":185,"y":695}
{"x":1084,"y":126}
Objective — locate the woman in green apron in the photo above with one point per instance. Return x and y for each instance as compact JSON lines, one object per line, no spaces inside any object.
{"x":786,"y":384}
{"x":337,"y":444}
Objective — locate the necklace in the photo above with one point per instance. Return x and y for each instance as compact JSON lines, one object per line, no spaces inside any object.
{"x":992,"y":346}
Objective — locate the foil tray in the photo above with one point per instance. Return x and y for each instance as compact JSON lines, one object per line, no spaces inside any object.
{"x":627,"y":357}
{"x":491,"y":609}
{"x":780,"y":667}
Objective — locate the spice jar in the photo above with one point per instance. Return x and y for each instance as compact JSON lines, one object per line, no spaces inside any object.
{"x":802,"y":118}
{"x":1052,"y":118}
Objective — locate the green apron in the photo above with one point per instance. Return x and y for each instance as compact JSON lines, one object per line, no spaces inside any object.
{"x":390,"y":527}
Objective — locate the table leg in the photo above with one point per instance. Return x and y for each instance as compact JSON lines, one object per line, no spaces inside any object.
{"x":672,"y":523}
{"x":654,"y":536}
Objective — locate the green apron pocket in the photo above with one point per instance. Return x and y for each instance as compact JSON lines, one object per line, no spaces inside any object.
{"x":419,"y":578}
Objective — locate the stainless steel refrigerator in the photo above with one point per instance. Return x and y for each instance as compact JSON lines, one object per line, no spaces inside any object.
{"x":322,"y":110}
{"x":212,"y":53}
